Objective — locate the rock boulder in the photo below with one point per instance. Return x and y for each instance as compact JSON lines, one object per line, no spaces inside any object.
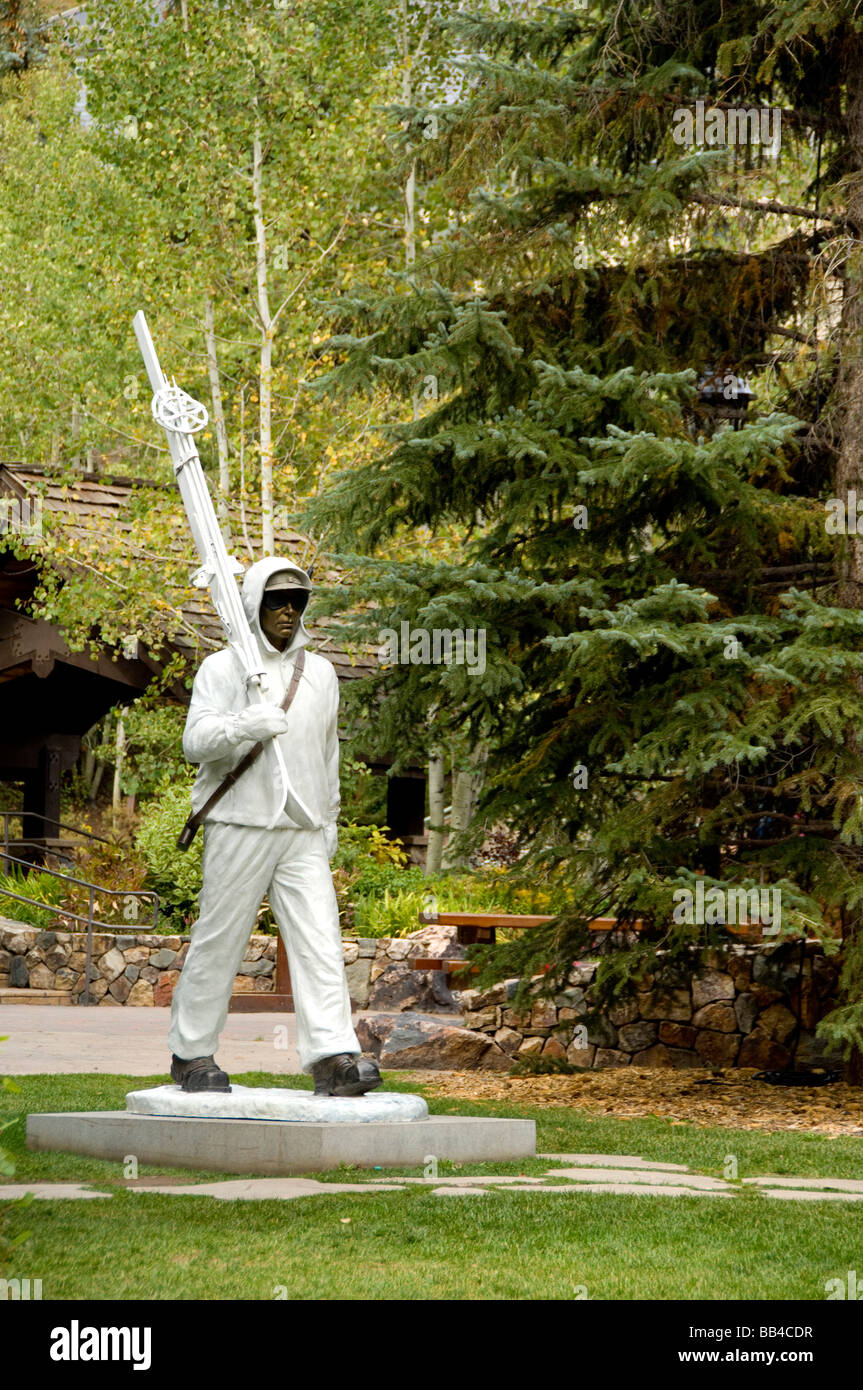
{"x":397,"y":1042}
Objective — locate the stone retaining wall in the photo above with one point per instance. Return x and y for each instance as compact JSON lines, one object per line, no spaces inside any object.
{"x":740,"y":1010}
{"x":142,"y":968}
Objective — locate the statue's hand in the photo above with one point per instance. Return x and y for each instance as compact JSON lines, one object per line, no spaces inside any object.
{"x":259,"y":722}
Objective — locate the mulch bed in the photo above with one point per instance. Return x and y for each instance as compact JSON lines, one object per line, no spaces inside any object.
{"x":729,"y":1097}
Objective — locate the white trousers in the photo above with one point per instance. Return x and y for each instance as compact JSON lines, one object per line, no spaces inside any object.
{"x":240,"y":864}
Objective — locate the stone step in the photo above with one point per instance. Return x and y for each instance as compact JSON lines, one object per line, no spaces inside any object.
{"x":36,"y":996}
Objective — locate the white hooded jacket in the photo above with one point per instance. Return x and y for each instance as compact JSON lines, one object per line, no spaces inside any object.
{"x":310,"y":746}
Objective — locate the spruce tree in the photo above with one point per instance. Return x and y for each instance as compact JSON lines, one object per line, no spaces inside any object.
{"x":673,"y":683}
{"x":22,"y":38}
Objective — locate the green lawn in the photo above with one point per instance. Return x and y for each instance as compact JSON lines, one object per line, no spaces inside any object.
{"x":505,"y":1245}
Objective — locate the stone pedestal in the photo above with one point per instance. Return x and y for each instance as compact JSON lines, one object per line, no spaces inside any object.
{"x":281,"y":1147}
{"x":277,"y":1103}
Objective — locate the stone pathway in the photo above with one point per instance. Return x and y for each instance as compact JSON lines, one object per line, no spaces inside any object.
{"x":621,"y":1174}
{"x":41,"y":1040}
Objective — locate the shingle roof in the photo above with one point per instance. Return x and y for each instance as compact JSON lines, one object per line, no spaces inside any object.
{"x":92,"y":502}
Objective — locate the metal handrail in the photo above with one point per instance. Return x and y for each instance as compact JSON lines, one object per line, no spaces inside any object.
{"x":64,"y":912}
{"x":48,"y":820}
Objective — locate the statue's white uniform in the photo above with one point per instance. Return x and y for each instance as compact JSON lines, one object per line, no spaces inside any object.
{"x":243,"y":860}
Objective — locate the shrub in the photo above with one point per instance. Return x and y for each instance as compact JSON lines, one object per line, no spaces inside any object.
{"x":35,"y":885}
{"x":118,"y":869}
{"x":363,"y":850}
{"x":387,"y":902}
{"x":174,"y":874}
{"x":153,"y":756}
{"x":363,"y":845}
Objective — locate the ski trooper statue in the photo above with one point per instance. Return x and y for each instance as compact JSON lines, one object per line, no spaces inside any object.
{"x":243,"y":859}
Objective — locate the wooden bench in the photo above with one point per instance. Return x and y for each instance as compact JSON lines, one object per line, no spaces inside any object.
{"x":476,"y":927}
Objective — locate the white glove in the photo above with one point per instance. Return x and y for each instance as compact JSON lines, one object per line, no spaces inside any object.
{"x":259,"y":722}
{"x":331,"y":839}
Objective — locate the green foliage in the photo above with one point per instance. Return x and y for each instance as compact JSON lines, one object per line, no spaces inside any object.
{"x":151,"y":206}
{"x":376,"y":879}
{"x":683,"y":649}
{"x":174,"y":874}
{"x":42,"y":887}
{"x":388,"y":914}
{"x":21,"y":42}
{"x":845,"y":1024}
{"x":153,"y":754}
{"x":364,"y":796}
{"x":361,"y":845}
{"x":387,"y":901}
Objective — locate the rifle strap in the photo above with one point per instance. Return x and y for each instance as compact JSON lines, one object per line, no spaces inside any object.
{"x":190,"y":829}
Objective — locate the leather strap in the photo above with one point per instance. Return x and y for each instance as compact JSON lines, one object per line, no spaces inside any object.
{"x":189,"y":829}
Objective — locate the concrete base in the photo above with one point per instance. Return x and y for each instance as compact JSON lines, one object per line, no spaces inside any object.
{"x":278,"y":1147}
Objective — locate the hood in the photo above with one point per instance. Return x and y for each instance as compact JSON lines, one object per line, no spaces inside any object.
{"x":254,"y":580}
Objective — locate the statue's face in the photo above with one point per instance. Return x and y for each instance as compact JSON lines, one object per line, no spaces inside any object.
{"x":279,"y":624}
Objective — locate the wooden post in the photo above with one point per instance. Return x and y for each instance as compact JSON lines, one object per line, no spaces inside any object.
{"x":283,"y":977}
{"x":282,"y":998}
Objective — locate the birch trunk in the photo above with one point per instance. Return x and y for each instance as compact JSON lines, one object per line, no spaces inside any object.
{"x":477,"y":780}
{"x":119,"y":749}
{"x":434,"y":850}
{"x":104,"y":735}
{"x":266,"y":358}
{"x":410,"y":216}
{"x":411,"y":185}
{"x":459,"y":819}
{"x":97,"y":780}
{"x":218,"y":422}
{"x":466,"y":786}
{"x":88,"y":766}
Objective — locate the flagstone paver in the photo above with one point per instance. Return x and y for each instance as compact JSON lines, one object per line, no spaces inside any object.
{"x":10,"y":1192}
{"x":460,"y":1192}
{"x":789,"y":1194}
{"x":263,"y":1189}
{"x":504,"y":1178}
{"x":615,"y":1161}
{"x":633,"y":1189}
{"x":615,"y":1174}
{"x":826,"y":1184}
{"x":654,"y":1177}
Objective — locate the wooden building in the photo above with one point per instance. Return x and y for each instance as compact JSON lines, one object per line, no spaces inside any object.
{"x":50,"y":696}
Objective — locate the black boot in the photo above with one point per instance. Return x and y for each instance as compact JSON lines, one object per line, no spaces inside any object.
{"x":344,"y":1075}
{"x":199,"y":1074}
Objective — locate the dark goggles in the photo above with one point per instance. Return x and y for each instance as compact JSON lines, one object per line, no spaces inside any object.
{"x":285,"y":598}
